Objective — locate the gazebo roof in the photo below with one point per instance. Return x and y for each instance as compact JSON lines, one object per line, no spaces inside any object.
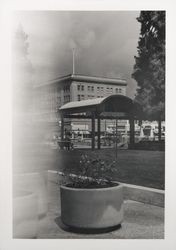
{"x":83,"y":103}
{"x":114,"y":106}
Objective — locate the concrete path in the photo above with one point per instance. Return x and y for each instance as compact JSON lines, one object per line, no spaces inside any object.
{"x":141,"y":221}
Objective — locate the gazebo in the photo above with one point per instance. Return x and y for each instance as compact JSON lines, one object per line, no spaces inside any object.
{"x":111,"y":107}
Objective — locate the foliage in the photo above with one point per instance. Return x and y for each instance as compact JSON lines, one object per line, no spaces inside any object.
{"x":91,"y":173}
{"x":149,"y":68}
{"x":22,"y":71}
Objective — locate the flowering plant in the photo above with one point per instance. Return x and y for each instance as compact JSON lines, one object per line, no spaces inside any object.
{"x":91,"y":173}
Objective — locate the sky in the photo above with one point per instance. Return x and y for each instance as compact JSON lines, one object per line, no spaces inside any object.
{"x":105,"y":43}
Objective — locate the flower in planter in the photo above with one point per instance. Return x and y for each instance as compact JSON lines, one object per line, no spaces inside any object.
{"x":91,"y":173}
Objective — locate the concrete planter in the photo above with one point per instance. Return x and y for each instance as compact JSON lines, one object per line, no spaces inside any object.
{"x":92,"y":208}
{"x":25,"y":214}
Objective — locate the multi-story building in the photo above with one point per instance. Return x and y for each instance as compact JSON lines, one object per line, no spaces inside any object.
{"x":55,"y":93}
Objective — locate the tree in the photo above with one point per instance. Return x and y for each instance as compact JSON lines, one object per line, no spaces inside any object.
{"x":149,"y":68}
{"x":22,"y":80}
{"x":22,"y":71}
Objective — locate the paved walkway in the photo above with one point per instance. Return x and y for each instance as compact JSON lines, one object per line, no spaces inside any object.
{"x":141,"y":221}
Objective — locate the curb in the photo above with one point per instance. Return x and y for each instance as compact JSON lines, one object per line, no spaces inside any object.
{"x":142,"y":194}
{"x":147,"y":195}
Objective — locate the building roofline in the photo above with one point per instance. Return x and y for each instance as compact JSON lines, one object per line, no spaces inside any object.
{"x":99,"y":79}
{"x":55,"y":80}
{"x":85,"y":78}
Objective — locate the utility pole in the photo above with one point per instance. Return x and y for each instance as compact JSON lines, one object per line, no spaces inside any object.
{"x":73,"y":61}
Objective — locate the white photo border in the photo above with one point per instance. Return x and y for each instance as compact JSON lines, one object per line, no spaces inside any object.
{"x":7,"y":243}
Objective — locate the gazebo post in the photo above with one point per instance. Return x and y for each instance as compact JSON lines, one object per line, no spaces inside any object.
{"x":132,"y":132}
{"x":116,"y":137}
{"x":93,"y":130}
{"x":99,"y":131}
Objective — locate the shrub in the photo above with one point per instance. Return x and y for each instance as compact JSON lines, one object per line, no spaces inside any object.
{"x":91,"y":173}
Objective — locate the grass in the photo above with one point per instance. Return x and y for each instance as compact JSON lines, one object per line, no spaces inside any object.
{"x":138,"y":167}
{"x":145,"y":168}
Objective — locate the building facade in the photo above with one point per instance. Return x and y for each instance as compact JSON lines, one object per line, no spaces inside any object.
{"x":49,"y":97}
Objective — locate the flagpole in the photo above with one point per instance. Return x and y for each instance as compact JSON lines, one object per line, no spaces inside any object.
{"x":73,"y":61}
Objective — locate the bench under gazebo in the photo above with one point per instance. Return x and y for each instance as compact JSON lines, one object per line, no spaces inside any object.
{"x":112,"y":107}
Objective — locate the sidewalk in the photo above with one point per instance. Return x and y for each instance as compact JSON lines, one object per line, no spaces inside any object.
{"x":141,"y":221}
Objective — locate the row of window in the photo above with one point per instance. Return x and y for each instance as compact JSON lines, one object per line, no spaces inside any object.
{"x":80,"y":87}
{"x":118,"y":90}
{"x":100,"y":88}
{"x":90,"y":96}
{"x":82,"y":97}
{"x":91,"y":88}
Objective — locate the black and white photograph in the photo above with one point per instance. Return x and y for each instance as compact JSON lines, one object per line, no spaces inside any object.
{"x":89,"y":125}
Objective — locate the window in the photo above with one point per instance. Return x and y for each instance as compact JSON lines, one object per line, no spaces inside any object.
{"x":66,"y":98}
{"x":91,"y":96}
{"x":120,"y":90}
{"x":82,"y":97}
{"x":98,"y":88}
{"x":117,"y":90}
{"x":102,"y":88}
{"x":79,"y":98}
{"x":88,"y":88}
{"x":66,"y":89}
{"x":92,"y":88}
{"x":80,"y":87}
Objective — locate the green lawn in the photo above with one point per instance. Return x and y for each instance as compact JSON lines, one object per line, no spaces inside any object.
{"x":145,"y":168}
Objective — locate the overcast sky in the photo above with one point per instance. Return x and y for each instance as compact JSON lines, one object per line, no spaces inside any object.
{"x":105,"y":42}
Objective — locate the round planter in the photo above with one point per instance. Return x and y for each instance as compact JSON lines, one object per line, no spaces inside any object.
{"x":99,"y":208}
{"x":25,"y":214}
